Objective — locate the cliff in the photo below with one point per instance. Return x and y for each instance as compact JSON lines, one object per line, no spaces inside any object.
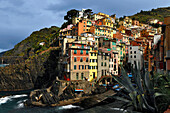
{"x":36,"y":65}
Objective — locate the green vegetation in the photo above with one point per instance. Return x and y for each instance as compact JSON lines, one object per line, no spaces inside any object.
{"x":31,"y":45}
{"x":145,"y":92}
{"x":159,"y":14}
{"x":70,"y":15}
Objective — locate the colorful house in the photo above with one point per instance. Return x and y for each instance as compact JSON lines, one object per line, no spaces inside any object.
{"x":77,"y":62}
{"x":93,"y":53}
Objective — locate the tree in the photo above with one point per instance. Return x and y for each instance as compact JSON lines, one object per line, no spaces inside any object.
{"x":88,"y":13}
{"x":70,"y":14}
{"x":64,"y":25}
{"x":114,"y":15}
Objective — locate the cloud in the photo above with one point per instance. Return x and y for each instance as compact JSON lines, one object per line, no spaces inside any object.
{"x":19,"y":18}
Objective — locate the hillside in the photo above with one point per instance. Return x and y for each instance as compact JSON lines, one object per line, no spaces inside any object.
{"x":31,"y":45}
{"x":159,"y":14}
{"x":1,"y":53}
{"x":39,"y":65}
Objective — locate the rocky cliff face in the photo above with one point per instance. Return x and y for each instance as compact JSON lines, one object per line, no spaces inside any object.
{"x":31,"y":69}
{"x":38,"y":72}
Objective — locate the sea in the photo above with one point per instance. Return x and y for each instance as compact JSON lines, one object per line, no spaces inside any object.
{"x":14,"y":103}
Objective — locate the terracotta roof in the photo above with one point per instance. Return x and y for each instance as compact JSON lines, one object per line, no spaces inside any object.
{"x":118,"y":35}
{"x":134,"y":43}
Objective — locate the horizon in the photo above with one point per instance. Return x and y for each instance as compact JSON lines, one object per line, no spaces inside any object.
{"x":18,"y":18}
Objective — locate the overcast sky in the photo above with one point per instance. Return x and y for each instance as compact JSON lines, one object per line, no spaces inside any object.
{"x":19,"y":18}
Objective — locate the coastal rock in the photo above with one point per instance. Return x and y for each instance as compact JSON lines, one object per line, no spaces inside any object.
{"x":61,"y":93}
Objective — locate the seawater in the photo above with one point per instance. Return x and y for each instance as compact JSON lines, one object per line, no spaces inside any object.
{"x":15,"y":104}
{"x":3,"y":65}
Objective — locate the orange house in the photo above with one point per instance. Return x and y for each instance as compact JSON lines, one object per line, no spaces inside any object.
{"x":82,"y":27}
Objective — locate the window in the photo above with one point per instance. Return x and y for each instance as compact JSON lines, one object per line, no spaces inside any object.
{"x":84,"y":25}
{"x":75,"y":51}
{"x":105,"y":64}
{"x":101,"y":63}
{"x":84,"y":22}
{"x":93,"y":74}
{"x":131,"y":56}
{"x":130,"y":52}
{"x":91,"y":54}
{"x":105,"y":58}
{"x":83,"y":29}
{"x":87,"y":52}
{"x":94,"y":54}
{"x":81,"y":51}
{"x":102,"y":73}
{"x":86,"y":67}
{"x":87,"y":59}
{"x":114,"y":67}
{"x":114,"y":60}
{"x":82,"y":76}
{"x":77,"y":76}
{"x":130,"y":48}
{"x":134,"y":52}
{"x":81,"y":59}
{"x":79,"y":66}
{"x":134,"y":56}
{"x":75,"y":67}
{"x":121,"y":52}
{"x":75,"y":59}
{"x":82,"y":66}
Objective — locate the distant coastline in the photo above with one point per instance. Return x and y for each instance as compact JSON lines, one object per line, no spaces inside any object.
{"x":2,"y":51}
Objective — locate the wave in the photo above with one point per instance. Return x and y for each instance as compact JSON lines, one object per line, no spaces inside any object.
{"x":118,"y":109}
{"x":20,"y":105}
{"x":3,"y":100}
{"x":69,"y":107}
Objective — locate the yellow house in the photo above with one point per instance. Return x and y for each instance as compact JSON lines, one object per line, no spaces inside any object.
{"x":108,"y":22}
{"x":127,"y":22}
{"x":102,"y":14}
{"x":96,"y":17}
{"x":75,"y":20}
{"x":93,"y":63}
{"x":103,"y":31}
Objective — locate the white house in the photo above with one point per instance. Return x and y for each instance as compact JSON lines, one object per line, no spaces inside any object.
{"x":135,"y":55}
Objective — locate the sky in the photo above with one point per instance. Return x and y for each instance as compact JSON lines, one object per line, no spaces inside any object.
{"x":19,"y":18}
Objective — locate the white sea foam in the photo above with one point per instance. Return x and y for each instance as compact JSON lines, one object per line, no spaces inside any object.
{"x":3,"y":100}
{"x":19,"y":96}
{"x":118,"y":109}
{"x":21,"y":101}
{"x":20,"y":105}
{"x":68,"y":107}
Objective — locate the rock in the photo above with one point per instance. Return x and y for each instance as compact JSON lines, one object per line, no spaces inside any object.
{"x":60,"y":91}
